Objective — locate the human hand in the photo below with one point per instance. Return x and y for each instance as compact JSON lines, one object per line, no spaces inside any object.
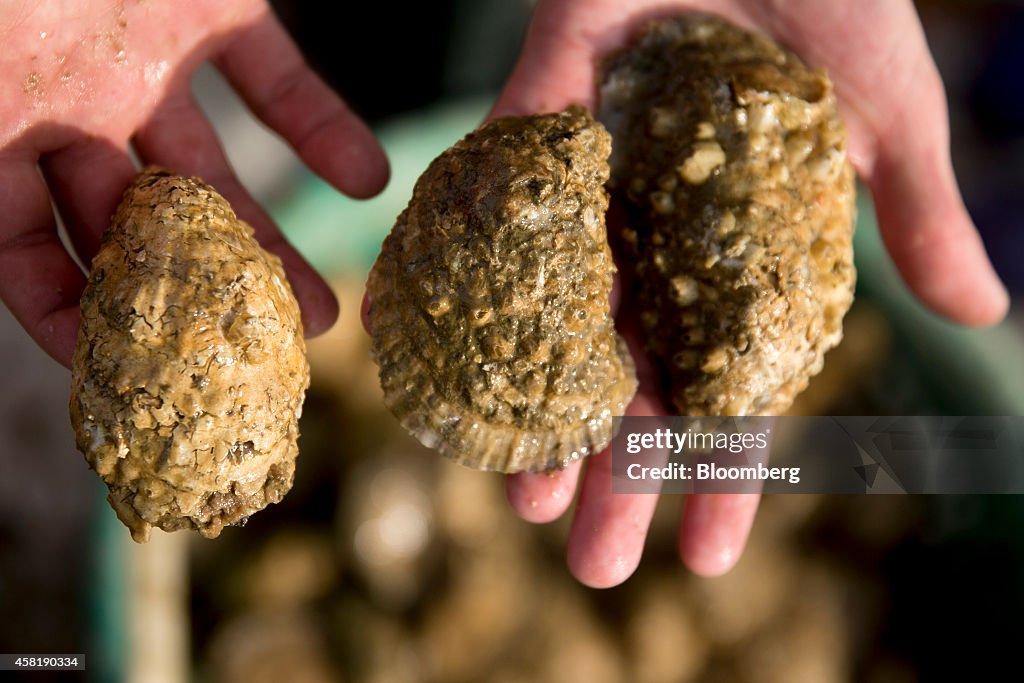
{"x":83,"y":82}
{"x":892,"y":100}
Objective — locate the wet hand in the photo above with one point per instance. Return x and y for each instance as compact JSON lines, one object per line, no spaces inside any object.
{"x":85,"y":82}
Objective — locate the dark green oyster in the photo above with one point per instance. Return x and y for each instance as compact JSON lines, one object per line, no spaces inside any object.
{"x":489,"y":301}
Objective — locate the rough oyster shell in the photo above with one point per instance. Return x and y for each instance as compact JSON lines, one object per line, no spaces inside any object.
{"x":489,"y":301}
{"x":190,"y":369}
{"x":732,"y":159}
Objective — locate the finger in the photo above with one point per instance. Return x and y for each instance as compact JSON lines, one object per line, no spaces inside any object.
{"x":86,"y":180}
{"x":714,"y":530}
{"x":269,"y":72}
{"x":922,"y":218}
{"x":555,"y":68}
{"x":39,"y":281}
{"x":542,"y":497}
{"x":607,"y":535}
{"x":180,"y":137}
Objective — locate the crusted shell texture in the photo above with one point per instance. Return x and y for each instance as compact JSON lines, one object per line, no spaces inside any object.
{"x":489,"y":301}
{"x":190,"y":369}
{"x":740,"y":200}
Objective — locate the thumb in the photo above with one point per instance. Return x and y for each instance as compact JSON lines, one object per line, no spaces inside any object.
{"x":558,"y":64}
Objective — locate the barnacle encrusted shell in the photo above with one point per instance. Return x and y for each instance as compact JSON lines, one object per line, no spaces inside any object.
{"x":732,"y":159}
{"x":489,"y":301}
{"x":190,"y":369}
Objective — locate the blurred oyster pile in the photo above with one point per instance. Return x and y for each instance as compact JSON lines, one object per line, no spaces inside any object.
{"x":394,"y":565}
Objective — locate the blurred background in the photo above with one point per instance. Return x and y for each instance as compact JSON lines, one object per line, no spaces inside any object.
{"x":385,"y":563}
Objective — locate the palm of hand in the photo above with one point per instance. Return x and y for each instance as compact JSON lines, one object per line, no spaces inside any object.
{"x":892,"y":100}
{"x":103,"y":68}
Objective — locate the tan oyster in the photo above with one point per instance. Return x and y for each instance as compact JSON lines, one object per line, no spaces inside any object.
{"x":190,"y":369}
{"x":489,"y":301}
{"x":732,"y":159}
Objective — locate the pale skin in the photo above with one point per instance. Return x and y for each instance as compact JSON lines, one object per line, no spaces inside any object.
{"x":81,"y":83}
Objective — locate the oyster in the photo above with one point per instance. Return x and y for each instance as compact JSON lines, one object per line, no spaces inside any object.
{"x":190,"y":369}
{"x":489,"y":301}
{"x":740,"y":200}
